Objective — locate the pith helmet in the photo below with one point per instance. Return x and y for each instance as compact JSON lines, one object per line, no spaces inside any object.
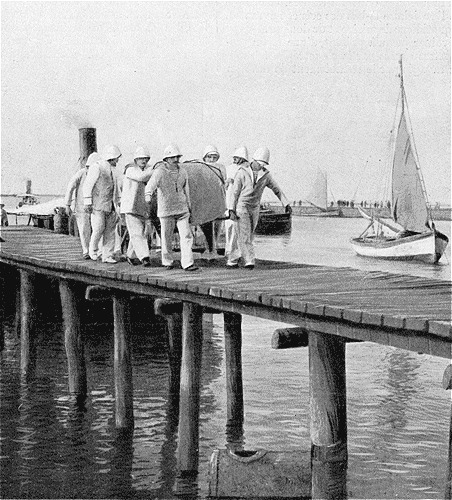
{"x":209,"y":150}
{"x":92,"y":158}
{"x":171,"y":151}
{"x":141,"y":152}
{"x":241,"y":152}
{"x":111,"y":152}
{"x":262,"y":154}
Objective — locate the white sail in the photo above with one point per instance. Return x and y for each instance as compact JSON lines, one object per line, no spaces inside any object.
{"x":318,"y":196}
{"x":409,"y":207}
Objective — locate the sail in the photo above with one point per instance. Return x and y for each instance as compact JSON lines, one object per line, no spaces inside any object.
{"x":318,"y":195}
{"x":408,"y":202}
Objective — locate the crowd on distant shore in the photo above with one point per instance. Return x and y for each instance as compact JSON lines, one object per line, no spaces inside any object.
{"x":160,"y":195}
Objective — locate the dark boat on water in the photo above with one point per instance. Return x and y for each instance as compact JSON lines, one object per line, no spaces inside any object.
{"x":272,"y":222}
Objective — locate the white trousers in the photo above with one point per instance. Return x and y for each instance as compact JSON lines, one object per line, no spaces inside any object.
{"x":231,"y":251}
{"x":138,"y":243}
{"x":246,"y":226}
{"x":84,"y":230}
{"x":104,"y":226}
{"x":186,"y":239}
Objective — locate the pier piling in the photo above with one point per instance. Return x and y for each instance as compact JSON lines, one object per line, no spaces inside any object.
{"x":233,"y":355}
{"x":70,"y":295}
{"x":188,"y":436}
{"x":122,"y":362}
{"x":27,"y":323}
{"x":327,"y":397}
{"x":172,"y":311}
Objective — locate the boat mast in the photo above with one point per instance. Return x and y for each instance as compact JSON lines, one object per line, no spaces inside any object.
{"x":419,"y":172}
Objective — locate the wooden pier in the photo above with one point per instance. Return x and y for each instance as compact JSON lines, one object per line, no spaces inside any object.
{"x":329,"y":306}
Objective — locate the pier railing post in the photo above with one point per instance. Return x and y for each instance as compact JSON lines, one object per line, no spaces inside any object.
{"x":27,"y":324}
{"x":122,"y":362}
{"x":188,"y":436}
{"x":327,"y":389}
{"x":70,"y":295}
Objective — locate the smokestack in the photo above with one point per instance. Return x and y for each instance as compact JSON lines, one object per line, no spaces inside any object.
{"x":88,"y":143}
{"x":28,"y":186}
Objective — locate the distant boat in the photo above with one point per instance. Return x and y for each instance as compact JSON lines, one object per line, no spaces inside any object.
{"x":411,"y":234}
{"x":273,"y":222}
{"x":318,"y":198}
{"x":26,"y":199}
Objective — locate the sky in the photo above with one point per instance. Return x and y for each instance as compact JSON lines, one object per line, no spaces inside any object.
{"x":315,"y":82}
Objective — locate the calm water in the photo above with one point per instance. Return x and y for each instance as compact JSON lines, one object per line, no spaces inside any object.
{"x":398,"y":414}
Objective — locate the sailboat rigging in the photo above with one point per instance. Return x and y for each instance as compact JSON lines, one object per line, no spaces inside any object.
{"x":411,"y":235}
{"x":318,"y":198}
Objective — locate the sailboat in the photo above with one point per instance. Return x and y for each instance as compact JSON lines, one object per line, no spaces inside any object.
{"x":318,"y":198}
{"x":411,"y":234}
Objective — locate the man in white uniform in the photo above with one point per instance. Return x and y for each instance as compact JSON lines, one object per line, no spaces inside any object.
{"x":101,"y":199}
{"x":74,"y":203}
{"x":134,"y":206}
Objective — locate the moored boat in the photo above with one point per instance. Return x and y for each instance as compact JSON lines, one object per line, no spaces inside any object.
{"x":273,"y":222}
{"x":411,"y":232}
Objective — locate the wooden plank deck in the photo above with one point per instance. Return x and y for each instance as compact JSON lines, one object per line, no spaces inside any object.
{"x":405,"y":311}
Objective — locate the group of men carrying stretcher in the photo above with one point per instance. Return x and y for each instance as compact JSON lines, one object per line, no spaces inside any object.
{"x":170,"y":194}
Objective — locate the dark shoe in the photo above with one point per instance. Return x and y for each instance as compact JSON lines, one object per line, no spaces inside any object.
{"x":86,"y":256}
{"x":171,"y":266}
{"x":191,"y":268}
{"x":146,"y":262}
{"x":130,"y":261}
{"x":232,"y":266}
{"x":249,"y":266}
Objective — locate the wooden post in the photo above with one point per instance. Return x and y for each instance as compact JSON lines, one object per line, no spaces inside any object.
{"x":447,"y":384}
{"x":233,"y":354}
{"x":73,"y":342}
{"x":188,"y":436}
{"x":2,"y":307}
{"x":122,"y":362}
{"x":27,"y":324}
{"x":329,"y":480}
{"x":172,"y":311}
{"x":17,"y":326}
{"x":327,"y":397}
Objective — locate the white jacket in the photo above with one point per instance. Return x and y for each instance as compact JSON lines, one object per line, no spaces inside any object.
{"x":74,"y":191}
{"x":133,"y":184}
{"x":100,"y":188}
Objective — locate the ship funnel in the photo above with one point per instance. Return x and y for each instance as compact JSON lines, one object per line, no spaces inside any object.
{"x":88,"y":143}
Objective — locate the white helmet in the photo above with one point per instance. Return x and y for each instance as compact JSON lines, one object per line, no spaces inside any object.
{"x":241,"y":152}
{"x":141,"y":152}
{"x":210,"y":149}
{"x":262,"y":154}
{"x":92,"y":158}
{"x":171,"y":151}
{"x":111,"y":153}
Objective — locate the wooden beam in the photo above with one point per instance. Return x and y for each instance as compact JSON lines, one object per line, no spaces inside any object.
{"x":233,"y":355}
{"x":188,"y":435}
{"x":288,"y":338}
{"x":27,"y":324}
{"x":122,"y":362}
{"x":95,"y":292}
{"x":165,"y":307}
{"x":327,"y":392}
{"x":329,"y":480}
{"x":2,"y":308}
{"x":70,"y":303}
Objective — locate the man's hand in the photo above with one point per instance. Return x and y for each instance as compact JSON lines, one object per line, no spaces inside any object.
{"x":68,"y":210}
{"x":88,"y":209}
{"x":233,"y":215}
{"x":288,"y":209}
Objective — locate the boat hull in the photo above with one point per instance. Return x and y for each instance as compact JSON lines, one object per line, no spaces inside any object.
{"x":274,"y":223}
{"x":328,"y":213}
{"x":425,"y":247}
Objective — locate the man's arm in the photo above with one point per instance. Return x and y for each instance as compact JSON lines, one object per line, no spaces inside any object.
{"x":74,"y":183}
